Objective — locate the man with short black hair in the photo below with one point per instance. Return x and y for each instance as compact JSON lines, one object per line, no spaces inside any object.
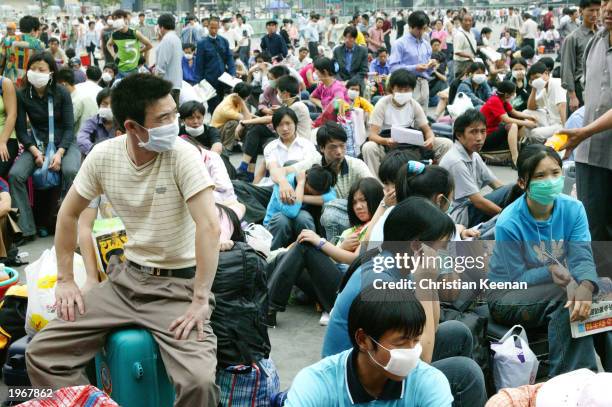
{"x":128,"y":42}
{"x":272,"y":42}
{"x":572,"y":52}
{"x":159,"y":186}
{"x":244,"y":32}
{"x":464,"y":46}
{"x":213,"y":57}
{"x":471,"y":174}
{"x":83,"y":107}
{"x":169,"y":55}
{"x":529,"y":31}
{"x":90,"y":87}
{"x":20,"y":47}
{"x":352,"y":59}
{"x":412,"y":52}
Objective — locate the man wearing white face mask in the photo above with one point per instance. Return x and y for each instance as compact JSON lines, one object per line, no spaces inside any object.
{"x":398,"y":110}
{"x":547,"y":102}
{"x":128,"y":42}
{"x":384,"y":365}
{"x":99,"y":127}
{"x":158,"y":185}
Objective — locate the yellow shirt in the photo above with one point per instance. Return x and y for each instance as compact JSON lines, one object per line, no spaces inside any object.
{"x":363,"y":104}
{"x":226,"y":110}
{"x":360,"y":40}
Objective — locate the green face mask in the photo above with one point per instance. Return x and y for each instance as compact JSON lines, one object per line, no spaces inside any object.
{"x":545,"y":191}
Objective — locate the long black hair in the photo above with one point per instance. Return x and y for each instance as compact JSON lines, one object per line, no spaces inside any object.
{"x":372,"y":190}
{"x":526,"y":164}
{"x":238,"y":234}
{"x":416,"y":218}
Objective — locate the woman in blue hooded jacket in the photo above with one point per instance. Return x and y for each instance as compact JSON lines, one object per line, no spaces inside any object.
{"x":543,"y":239}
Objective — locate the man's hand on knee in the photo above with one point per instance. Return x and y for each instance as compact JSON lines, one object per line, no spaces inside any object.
{"x":67,"y":296}
{"x":194,"y":317}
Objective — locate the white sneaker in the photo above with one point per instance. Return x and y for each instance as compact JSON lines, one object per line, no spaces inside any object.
{"x":324,"y":321}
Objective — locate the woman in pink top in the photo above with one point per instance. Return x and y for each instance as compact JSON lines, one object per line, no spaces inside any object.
{"x":307,"y":74}
{"x":377,"y":36}
{"x":329,"y":88}
{"x":439,"y":33}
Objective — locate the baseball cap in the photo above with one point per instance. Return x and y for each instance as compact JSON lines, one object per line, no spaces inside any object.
{"x":75,"y":61}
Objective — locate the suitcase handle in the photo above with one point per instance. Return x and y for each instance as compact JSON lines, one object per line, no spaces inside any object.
{"x":138,"y":370}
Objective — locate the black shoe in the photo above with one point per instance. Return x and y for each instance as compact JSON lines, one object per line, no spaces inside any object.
{"x":25,"y":240}
{"x":271,"y":319}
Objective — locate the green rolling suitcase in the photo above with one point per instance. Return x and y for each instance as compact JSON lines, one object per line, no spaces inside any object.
{"x":130,"y":370}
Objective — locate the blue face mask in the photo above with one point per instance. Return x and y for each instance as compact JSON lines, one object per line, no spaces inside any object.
{"x":545,"y":191}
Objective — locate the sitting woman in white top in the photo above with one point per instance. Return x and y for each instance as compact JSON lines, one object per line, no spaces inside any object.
{"x":399,"y":110}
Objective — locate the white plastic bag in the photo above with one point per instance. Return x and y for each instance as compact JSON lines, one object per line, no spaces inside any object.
{"x":359,"y":130}
{"x":461,"y":103}
{"x":41,"y":278}
{"x":258,"y":238}
{"x":514,"y":363}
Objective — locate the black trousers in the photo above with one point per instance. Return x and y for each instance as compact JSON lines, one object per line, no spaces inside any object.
{"x":91,"y":49}
{"x":254,"y":198}
{"x":12,"y":145}
{"x":256,"y":139}
{"x":593,"y":187}
{"x":313,"y":48}
{"x":324,"y":277}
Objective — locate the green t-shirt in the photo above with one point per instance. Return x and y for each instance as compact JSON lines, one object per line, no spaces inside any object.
{"x":128,"y":49}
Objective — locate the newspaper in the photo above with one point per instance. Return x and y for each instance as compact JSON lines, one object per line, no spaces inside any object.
{"x":109,"y":237}
{"x":600,"y":319}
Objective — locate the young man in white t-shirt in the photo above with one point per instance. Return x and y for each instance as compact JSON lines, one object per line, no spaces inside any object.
{"x":547,"y":102}
{"x":159,"y":187}
{"x":398,"y":110}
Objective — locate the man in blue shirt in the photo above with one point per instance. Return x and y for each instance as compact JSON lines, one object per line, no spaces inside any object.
{"x":413,"y":53}
{"x":311,"y":35}
{"x":384,"y":364}
{"x":272,"y":42}
{"x":380,"y":65}
{"x":213,"y":58}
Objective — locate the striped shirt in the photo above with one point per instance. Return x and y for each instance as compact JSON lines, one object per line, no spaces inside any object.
{"x":150,"y":199}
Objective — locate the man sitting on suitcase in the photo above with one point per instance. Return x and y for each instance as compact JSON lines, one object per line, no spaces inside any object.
{"x":158,"y":185}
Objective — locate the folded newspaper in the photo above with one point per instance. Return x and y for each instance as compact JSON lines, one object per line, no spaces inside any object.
{"x":600,"y":319}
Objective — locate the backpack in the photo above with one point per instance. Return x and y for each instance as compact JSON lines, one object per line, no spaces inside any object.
{"x":238,"y":320}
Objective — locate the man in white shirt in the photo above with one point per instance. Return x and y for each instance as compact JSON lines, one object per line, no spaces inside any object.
{"x":90,"y":87}
{"x":547,"y":102}
{"x":243,"y":33}
{"x":464,"y":45}
{"x":227,"y":32}
{"x":302,"y":59}
{"x":514,"y":22}
{"x":529,"y":31}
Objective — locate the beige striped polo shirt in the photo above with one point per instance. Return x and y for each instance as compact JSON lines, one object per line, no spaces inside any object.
{"x":150,"y":199}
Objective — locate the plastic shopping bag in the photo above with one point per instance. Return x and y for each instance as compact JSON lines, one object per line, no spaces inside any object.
{"x":42,"y":277}
{"x":514,"y":363}
{"x":461,"y":103}
{"x":259,"y":238}
{"x":359,"y":131}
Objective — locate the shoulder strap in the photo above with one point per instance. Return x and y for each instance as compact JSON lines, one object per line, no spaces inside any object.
{"x":1,"y":79}
{"x":51,"y":121}
{"x":469,"y":42}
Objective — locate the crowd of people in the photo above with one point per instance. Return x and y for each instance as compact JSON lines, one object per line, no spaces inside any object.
{"x":319,"y":144}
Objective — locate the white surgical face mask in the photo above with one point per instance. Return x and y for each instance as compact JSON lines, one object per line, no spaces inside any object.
{"x":118,"y":24}
{"x":479,"y":78}
{"x":401,"y":98}
{"x":194,"y":131}
{"x":189,"y":56}
{"x":353,"y":94}
{"x":106,"y":113}
{"x":402,"y":361}
{"x":539,"y":83}
{"x":520,"y":74}
{"x":161,"y":138}
{"x":106,"y":77}
{"x":38,"y":79}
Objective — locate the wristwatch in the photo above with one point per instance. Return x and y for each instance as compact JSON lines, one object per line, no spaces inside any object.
{"x":321,"y":243}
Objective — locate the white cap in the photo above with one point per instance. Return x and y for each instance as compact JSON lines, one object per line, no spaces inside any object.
{"x":579,"y":388}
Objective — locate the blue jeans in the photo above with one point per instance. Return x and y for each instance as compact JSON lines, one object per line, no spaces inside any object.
{"x":124,"y":74}
{"x":334,"y":219}
{"x":543,"y":306}
{"x":452,"y":355}
{"x":498,"y":197}
{"x":285,"y":230}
